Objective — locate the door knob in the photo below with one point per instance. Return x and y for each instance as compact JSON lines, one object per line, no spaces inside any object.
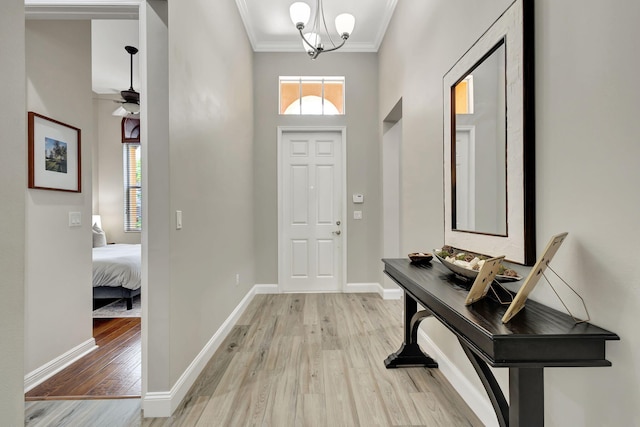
{"x":337,"y":233}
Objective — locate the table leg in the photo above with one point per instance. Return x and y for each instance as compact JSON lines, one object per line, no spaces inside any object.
{"x":496,"y":397}
{"x":526,"y":393}
{"x":526,"y":397}
{"x":410,"y":353}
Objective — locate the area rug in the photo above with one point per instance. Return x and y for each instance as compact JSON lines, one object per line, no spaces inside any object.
{"x":118,"y":308}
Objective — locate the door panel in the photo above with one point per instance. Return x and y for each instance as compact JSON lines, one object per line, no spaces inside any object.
{"x":299,"y":196}
{"x":311,"y":196}
{"x":300,"y":256}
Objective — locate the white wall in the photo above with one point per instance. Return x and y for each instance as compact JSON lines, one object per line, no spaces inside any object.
{"x":586,"y":169}
{"x":13,"y":173}
{"x":210,"y":174}
{"x":58,"y":258}
{"x":363,"y":159}
{"x":109,"y":199}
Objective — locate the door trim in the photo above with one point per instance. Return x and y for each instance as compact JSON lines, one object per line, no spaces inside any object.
{"x":343,"y":172}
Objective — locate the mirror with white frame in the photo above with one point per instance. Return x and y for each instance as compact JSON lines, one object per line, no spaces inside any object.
{"x":489,"y":195}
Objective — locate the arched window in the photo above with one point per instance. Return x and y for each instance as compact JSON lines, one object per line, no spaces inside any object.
{"x":312,"y":104}
{"x":312,"y":95}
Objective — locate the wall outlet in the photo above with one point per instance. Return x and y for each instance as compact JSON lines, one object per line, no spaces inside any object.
{"x":237,"y":278}
{"x":357,"y":214}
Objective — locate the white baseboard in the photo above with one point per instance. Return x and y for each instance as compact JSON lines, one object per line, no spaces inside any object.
{"x":49,"y":369}
{"x":478,"y":402}
{"x":162,"y":404}
{"x":375,"y":288}
{"x":391,"y":293}
{"x":266,"y":289}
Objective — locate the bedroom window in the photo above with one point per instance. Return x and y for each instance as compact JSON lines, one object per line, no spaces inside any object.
{"x":311,"y":95}
{"x":132,"y":187}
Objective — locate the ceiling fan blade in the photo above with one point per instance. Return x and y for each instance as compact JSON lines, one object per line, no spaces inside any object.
{"x":120,"y":111}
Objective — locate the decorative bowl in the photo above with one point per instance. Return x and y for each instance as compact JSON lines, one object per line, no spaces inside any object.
{"x":469,"y":273}
{"x":420,"y":257}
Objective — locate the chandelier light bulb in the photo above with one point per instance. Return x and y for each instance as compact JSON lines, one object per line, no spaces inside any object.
{"x":300,"y":12}
{"x":313,"y":39}
{"x":345,"y":23}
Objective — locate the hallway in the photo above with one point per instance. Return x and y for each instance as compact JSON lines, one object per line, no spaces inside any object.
{"x":296,"y":359}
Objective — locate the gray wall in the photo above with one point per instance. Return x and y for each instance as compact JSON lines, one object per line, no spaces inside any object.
{"x":58,"y":257}
{"x":109,"y":197}
{"x":210,"y":177}
{"x":586,"y":169}
{"x":363,"y":159}
{"x":13,"y":175}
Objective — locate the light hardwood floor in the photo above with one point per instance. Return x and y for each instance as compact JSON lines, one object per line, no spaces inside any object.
{"x":299,"y":360}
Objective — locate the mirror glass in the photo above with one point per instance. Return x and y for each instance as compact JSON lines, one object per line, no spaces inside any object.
{"x":479,"y":146}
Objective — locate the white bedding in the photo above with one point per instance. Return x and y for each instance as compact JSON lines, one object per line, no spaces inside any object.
{"x":117,"y":265}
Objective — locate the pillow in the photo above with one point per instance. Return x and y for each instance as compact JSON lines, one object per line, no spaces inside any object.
{"x":99,"y":238}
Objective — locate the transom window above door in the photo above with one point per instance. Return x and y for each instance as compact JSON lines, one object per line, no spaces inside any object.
{"x":307,"y":95}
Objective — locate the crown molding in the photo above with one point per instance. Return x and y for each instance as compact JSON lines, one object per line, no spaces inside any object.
{"x":388,"y":14}
{"x":81,"y":9}
{"x":244,"y":14}
{"x":296,"y":46}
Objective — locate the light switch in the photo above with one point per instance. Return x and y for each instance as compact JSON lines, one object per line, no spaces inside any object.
{"x":178,"y":220}
{"x":358,"y":198}
{"x":357,"y":214}
{"x":75,"y":219}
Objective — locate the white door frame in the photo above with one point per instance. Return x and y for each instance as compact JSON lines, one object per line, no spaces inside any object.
{"x":343,"y":172}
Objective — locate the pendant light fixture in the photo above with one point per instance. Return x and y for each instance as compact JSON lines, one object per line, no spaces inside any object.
{"x":300,"y":13}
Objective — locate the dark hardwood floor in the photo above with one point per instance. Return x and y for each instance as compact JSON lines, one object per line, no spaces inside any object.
{"x":111,"y":371}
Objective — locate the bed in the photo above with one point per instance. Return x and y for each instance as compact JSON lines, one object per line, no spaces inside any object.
{"x":117,"y":272}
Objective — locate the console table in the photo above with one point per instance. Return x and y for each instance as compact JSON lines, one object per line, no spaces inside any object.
{"x":535,"y":338}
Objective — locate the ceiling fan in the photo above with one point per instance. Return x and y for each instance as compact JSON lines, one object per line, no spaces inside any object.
{"x":130,"y":103}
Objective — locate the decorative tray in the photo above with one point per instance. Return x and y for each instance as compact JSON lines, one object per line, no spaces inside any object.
{"x":465,"y":269}
{"x":420,"y":257}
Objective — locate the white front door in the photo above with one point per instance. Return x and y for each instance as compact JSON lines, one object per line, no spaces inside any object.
{"x":465,"y":178}
{"x":311,"y":224}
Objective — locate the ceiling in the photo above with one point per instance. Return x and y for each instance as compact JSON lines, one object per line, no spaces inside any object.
{"x":266,"y":22}
{"x":270,"y":29}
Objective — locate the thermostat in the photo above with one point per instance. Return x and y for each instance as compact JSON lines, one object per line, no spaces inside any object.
{"x":358,"y":198}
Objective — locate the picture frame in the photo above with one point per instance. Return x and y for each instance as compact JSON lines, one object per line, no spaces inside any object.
{"x":130,"y":129}
{"x":484,"y":279}
{"x":54,"y":154}
{"x":534,"y":276}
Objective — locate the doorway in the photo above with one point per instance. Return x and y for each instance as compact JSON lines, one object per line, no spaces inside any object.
{"x":391,"y":194}
{"x":312,"y":230}
{"x":151,"y":67}
{"x":465,"y":178}
{"x":391,"y":186}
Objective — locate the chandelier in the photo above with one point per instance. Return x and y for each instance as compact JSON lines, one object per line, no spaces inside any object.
{"x":300,"y":13}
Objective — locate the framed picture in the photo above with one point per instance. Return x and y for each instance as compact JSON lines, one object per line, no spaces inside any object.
{"x":54,"y":154}
{"x":130,"y":129}
{"x":534,"y":276}
{"x":484,"y":279}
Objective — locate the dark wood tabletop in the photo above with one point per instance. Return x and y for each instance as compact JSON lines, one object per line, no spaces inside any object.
{"x":537,"y":336}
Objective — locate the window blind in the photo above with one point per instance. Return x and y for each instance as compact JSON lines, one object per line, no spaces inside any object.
{"x":132,"y":187}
